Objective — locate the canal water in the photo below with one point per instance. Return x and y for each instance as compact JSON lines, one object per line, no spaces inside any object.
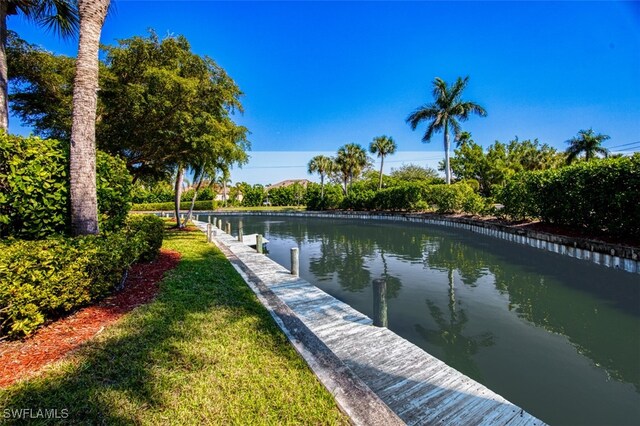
{"x":557,"y":336}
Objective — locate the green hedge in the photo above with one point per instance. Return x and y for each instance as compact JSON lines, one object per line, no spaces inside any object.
{"x":44,"y":278}
{"x":459,"y":197}
{"x":184,"y":205}
{"x":600,"y":195}
{"x":34,"y":188}
{"x":407,"y":196}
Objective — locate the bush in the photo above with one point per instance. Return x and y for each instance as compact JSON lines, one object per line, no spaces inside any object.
{"x":184,"y":205}
{"x":332,"y":199}
{"x":151,"y":230}
{"x":113,"y":187}
{"x":406,"y":196}
{"x":359,"y":199}
{"x":34,"y":188}
{"x":597,"y":195}
{"x":44,"y":278}
{"x":453,"y":198}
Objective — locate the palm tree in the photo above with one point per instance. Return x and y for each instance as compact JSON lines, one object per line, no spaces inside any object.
{"x":350,"y":162}
{"x":589,"y":143}
{"x":383,"y":146}
{"x":59,"y":16}
{"x":322,"y":165}
{"x":444,"y":113}
{"x":82,"y":172}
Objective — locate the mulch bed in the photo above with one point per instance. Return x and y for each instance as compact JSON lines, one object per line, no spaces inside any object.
{"x":24,"y":358}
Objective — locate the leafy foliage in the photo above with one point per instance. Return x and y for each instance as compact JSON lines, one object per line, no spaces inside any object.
{"x":34,"y":188}
{"x":292,"y":195}
{"x":45,"y":278}
{"x":415,"y":173}
{"x":598,"y":195}
{"x":331,"y":199}
{"x":501,"y":161}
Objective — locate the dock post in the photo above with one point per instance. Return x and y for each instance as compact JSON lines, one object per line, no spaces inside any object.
{"x":209,"y":219}
{"x":220,"y":224}
{"x":208,"y":232}
{"x":240,"y":234}
{"x":259,"y":243}
{"x":380,"y":318}
{"x":229,"y":228}
{"x":295,"y":261}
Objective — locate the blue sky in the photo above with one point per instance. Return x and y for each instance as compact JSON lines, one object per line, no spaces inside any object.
{"x":317,"y":75}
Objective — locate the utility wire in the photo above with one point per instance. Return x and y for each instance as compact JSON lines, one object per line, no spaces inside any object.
{"x":624,"y":144}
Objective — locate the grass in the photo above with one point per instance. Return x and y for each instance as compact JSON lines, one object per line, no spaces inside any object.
{"x":204,"y":352}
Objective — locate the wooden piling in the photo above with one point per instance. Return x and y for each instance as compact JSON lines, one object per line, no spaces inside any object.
{"x":259,"y":243}
{"x":240,"y":234}
{"x":208,"y":232}
{"x":380,"y":302}
{"x":229,"y":228}
{"x":295,"y":261}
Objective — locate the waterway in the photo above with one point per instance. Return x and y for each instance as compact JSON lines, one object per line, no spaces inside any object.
{"x":557,"y":336}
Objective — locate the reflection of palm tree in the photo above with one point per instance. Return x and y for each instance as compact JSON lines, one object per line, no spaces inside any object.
{"x":458,"y":348}
{"x":383,"y":288}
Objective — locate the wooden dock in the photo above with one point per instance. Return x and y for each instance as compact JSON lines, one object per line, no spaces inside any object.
{"x":417,"y":387}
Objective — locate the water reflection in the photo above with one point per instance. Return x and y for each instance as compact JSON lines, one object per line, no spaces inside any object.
{"x":480,"y":293}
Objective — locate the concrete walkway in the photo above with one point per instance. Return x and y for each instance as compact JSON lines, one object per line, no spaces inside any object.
{"x":380,"y":365}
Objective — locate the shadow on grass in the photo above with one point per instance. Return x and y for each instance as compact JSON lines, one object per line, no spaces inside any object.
{"x":136,"y":366}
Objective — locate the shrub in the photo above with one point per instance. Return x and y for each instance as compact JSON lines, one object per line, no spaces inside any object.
{"x":332,"y":199}
{"x":359,"y":199}
{"x":453,"y":198}
{"x":406,"y":196}
{"x":151,"y":230}
{"x":113,"y":187}
{"x":34,"y":188}
{"x":597,"y":195}
{"x":184,"y":205}
{"x":44,"y":278}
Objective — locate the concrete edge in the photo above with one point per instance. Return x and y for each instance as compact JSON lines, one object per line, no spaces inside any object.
{"x":352,"y":395}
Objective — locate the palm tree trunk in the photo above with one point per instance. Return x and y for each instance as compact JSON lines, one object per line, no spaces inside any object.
{"x":224,"y":192}
{"x":381,"y":166}
{"x":193,"y":200}
{"x":178,"y":194}
{"x":82,"y":171}
{"x":321,"y":186}
{"x":447,"y":165}
{"x":4,"y":74}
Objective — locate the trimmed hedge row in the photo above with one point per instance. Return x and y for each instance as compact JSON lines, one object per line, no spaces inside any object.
{"x":184,"y":205}
{"x":601,"y":195}
{"x":34,"y":188}
{"x":45,"y":278}
{"x":408,"y":196}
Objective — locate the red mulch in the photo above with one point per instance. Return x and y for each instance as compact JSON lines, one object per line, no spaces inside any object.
{"x":21,"y":359}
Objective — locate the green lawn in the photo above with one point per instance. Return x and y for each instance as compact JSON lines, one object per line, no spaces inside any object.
{"x":204,"y":352}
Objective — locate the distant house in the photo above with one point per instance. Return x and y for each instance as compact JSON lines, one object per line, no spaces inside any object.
{"x":288,"y":182}
{"x":222,"y":195}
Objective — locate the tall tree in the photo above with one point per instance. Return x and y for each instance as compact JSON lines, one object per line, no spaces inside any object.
{"x":350,"y":162}
{"x":41,"y":88}
{"x":443,"y":114}
{"x":587,"y":142}
{"x":322,"y":165}
{"x":383,"y":146}
{"x":59,"y":16}
{"x":82,"y":172}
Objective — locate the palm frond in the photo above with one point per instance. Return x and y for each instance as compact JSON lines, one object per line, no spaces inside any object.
{"x":425,"y":112}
